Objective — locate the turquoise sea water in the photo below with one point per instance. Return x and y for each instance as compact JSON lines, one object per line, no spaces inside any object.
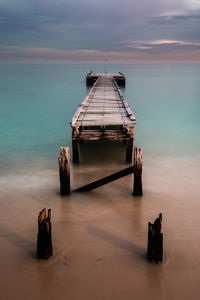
{"x":39,"y":100}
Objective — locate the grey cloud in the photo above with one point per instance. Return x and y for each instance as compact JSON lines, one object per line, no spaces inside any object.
{"x":175,"y":19}
{"x":97,"y":25}
{"x":165,"y":47}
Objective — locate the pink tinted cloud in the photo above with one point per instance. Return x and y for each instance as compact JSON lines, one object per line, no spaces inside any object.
{"x":14,"y":53}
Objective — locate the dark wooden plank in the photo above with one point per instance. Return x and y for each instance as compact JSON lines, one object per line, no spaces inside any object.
{"x":106,"y":180}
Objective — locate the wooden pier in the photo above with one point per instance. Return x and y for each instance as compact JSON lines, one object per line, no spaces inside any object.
{"x":92,"y":77}
{"x":104,"y":114}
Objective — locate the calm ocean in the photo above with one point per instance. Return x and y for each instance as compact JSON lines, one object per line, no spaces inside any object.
{"x":39,"y":100}
{"x":99,"y":237}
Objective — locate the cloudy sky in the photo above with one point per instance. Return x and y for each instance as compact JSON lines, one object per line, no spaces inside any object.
{"x":88,"y":30}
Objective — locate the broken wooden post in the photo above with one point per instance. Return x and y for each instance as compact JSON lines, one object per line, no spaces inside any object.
{"x":64,"y":170}
{"x":44,"y":239}
{"x":137,"y":188}
{"x":129,"y":150}
{"x":155,"y":240}
{"x":75,"y":149}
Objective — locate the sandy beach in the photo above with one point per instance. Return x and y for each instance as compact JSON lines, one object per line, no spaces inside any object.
{"x":100,"y":237}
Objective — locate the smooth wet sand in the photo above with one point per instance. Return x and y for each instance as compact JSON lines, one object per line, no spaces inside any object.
{"x":100,"y":237}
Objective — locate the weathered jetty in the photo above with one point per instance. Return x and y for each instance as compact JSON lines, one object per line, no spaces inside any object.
{"x":104,"y":114}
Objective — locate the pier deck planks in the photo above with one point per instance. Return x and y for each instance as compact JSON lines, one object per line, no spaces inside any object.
{"x":104,"y":106}
{"x":104,"y":114}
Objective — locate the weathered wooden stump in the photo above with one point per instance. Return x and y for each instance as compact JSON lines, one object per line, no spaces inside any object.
{"x":44,"y":239}
{"x":155,"y":240}
{"x":137,"y":186}
{"x":129,"y":151}
{"x":64,"y":170}
{"x":75,"y":150}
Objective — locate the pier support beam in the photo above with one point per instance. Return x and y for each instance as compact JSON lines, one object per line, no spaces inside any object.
{"x":129,"y":150}
{"x":105,"y":180}
{"x":44,"y":239}
{"x":75,"y":146}
{"x":137,"y":185}
{"x":64,"y":170}
{"x":155,"y":240}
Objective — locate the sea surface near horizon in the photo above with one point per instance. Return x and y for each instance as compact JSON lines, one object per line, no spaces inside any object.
{"x":99,"y":237}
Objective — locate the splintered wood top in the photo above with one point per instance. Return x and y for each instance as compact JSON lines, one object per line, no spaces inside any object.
{"x":104,"y":105}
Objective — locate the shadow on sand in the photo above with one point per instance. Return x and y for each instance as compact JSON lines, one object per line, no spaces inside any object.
{"x":117,"y":241}
{"x":19,"y":241}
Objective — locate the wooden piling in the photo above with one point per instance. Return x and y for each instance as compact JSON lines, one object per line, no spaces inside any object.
{"x":137,"y":186}
{"x":129,"y":150}
{"x":44,"y":237}
{"x":75,"y":149}
{"x":64,"y":170}
{"x":155,"y":240}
